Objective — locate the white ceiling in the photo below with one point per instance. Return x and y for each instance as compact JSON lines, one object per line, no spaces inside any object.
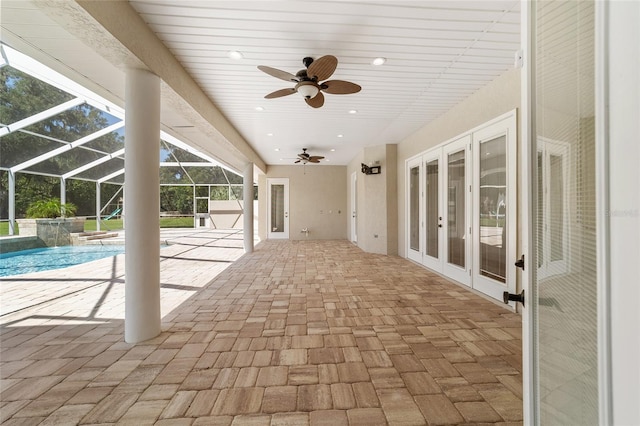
{"x":438,"y":53}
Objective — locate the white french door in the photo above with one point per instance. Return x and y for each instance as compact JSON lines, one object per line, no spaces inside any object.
{"x":414,"y":210}
{"x":278,"y":212}
{"x":434,"y":217}
{"x":456,"y":198}
{"x":461,"y":204}
{"x":438,"y":220}
{"x":494,"y":208}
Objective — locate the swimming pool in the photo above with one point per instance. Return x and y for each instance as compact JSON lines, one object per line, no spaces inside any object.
{"x":43,"y":259}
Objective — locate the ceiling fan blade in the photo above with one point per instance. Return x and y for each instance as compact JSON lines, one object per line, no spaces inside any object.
{"x":323,"y":67}
{"x":313,"y":160}
{"x":297,"y":161}
{"x":280,"y":93}
{"x":340,"y":87}
{"x":316,"y":158}
{"x":317,"y":101}
{"x":282,"y":75}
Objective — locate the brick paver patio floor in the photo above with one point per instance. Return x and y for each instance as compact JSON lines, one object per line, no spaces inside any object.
{"x":296,"y":333}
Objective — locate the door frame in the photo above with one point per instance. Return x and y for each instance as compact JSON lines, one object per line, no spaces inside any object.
{"x":285,"y":234}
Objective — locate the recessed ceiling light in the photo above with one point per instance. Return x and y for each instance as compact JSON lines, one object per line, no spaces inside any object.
{"x":234,"y":54}
{"x":333,"y":150}
{"x":269,"y":134}
{"x":326,"y":159}
{"x":340,"y":136}
{"x":259,"y":109}
{"x":379,"y":61}
{"x":353,"y":111}
{"x":281,"y":159}
{"x":277,"y":149}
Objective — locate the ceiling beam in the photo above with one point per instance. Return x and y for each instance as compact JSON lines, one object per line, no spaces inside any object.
{"x":129,"y":31}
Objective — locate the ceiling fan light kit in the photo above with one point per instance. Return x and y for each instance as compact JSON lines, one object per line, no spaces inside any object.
{"x":305,"y":158}
{"x":309,"y":81}
{"x":307,"y":89}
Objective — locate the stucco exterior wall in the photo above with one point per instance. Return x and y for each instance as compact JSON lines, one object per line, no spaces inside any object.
{"x":317,"y":201}
{"x":496,"y":98}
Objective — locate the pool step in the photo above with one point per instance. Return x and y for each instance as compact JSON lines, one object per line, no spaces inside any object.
{"x":83,"y":237}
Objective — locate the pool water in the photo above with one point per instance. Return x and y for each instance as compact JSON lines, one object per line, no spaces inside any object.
{"x":43,"y":259}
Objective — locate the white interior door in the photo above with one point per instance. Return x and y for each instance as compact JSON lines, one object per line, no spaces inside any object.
{"x":494,"y":208}
{"x":278,"y":212}
{"x":456,"y":219}
{"x":354,"y":207}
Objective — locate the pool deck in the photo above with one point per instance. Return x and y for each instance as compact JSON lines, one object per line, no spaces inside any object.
{"x":95,"y":290}
{"x":309,"y":332}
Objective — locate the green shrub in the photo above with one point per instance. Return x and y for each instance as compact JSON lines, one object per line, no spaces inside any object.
{"x":51,"y":209}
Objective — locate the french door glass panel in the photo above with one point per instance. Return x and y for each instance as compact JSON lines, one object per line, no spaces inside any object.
{"x":414,"y":208}
{"x":415,"y":241}
{"x":277,"y":208}
{"x":565,"y":300}
{"x":456,"y":195}
{"x":492,"y":209}
{"x":432,"y":209}
{"x":455,"y":198}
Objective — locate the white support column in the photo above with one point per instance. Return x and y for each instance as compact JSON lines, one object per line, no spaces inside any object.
{"x":98,"y":202}
{"x":12,"y":203}
{"x":247,"y":201}
{"x":63,"y":191}
{"x":142,"y":189}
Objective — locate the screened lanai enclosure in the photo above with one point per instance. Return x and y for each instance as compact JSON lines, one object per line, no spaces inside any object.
{"x":59,"y":140}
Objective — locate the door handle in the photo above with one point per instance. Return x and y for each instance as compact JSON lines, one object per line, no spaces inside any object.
{"x":506,"y":297}
{"x":520,"y":262}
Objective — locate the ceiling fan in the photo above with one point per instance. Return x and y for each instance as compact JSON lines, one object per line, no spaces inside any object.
{"x":305,"y":158}
{"x":309,"y":81}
